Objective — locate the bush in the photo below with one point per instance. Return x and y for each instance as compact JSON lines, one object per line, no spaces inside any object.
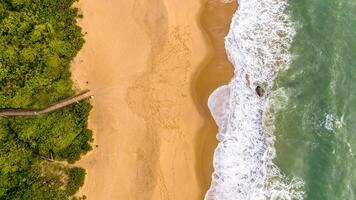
{"x":75,"y":180}
{"x":38,"y":40}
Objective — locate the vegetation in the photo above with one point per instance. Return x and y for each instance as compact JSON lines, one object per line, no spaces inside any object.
{"x":38,"y":40}
{"x":75,"y":180}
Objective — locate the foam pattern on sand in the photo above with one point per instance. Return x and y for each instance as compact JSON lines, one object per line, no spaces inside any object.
{"x":257,"y":45}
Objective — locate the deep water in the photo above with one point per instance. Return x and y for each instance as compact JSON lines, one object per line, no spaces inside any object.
{"x":316,"y":128}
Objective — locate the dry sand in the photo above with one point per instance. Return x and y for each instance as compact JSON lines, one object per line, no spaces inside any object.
{"x":143,"y":60}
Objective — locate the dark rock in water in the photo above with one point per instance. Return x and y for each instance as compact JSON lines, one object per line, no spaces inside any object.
{"x":300,"y":96}
{"x":292,"y":83}
{"x":260,"y":91}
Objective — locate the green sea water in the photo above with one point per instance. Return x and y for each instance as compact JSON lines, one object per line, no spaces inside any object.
{"x":316,"y":129}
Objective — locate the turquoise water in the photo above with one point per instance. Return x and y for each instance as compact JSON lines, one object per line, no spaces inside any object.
{"x":316,"y":130}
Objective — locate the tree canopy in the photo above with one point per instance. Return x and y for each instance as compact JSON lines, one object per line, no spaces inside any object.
{"x":38,"y":41}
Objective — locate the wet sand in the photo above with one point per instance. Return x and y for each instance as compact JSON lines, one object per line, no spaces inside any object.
{"x":143,"y":60}
{"x":213,"y":72}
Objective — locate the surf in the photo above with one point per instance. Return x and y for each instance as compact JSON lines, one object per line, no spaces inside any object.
{"x":257,"y":45}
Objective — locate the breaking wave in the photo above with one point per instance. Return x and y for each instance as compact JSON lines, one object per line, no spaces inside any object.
{"x":258,"y":46}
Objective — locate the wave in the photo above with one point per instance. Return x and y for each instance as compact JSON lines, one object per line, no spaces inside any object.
{"x":258,"y":46}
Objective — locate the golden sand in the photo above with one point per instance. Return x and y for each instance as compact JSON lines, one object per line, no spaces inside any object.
{"x":143,"y":60}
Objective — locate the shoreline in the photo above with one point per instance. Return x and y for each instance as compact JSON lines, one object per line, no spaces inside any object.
{"x":145,"y":122}
{"x":245,"y":153}
{"x":214,"y":72}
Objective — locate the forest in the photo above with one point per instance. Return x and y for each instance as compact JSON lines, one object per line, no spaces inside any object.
{"x":38,"y":41}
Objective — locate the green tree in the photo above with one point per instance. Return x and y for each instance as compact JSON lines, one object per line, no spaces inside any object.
{"x":38,"y":41}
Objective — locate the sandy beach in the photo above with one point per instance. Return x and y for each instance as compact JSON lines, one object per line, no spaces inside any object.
{"x":151,"y":65}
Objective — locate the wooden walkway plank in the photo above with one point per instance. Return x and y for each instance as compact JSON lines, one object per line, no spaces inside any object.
{"x":53,"y":107}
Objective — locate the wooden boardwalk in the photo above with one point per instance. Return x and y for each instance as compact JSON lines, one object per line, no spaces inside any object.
{"x":53,"y":107}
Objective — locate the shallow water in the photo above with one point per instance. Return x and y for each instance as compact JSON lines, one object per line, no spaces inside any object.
{"x":315,"y":128}
{"x":257,"y":45}
{"x":297,"y":141}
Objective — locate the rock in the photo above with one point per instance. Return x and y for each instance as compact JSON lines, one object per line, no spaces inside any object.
{"x":260,"y":91}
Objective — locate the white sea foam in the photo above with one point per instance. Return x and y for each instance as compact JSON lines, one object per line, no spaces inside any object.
{"x":329,"y":122}
{"x":257,"y":45}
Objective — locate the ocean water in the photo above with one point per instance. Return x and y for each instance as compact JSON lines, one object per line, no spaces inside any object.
{"x":297,"y":141}
{"x":316,"y":128}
